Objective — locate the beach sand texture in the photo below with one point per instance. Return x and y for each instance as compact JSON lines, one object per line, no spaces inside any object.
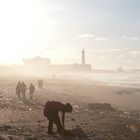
{"x":25,"y":121}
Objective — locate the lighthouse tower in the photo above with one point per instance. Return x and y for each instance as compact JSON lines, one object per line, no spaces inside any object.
{"x":83,"y":57}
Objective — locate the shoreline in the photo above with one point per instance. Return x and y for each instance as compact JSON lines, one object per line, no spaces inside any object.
{"x":25,"y":120}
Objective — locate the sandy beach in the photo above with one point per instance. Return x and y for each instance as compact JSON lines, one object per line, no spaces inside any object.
{"x":25,"y":121}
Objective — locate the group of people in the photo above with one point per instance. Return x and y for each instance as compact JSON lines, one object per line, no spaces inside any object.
{"x":21,"y":89}
{"x":51,"y":108}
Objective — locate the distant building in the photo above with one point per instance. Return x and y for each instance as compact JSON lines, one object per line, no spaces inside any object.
{"x":44,"y":64}
{"x":37,"y":61}
{"x":83,"y":67}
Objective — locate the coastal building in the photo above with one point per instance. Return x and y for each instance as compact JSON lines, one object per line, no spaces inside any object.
{"x":37,"y":61}
{"x":44,"y":64}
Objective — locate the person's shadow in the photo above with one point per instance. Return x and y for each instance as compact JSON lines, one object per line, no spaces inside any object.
{"x":76,"y":133}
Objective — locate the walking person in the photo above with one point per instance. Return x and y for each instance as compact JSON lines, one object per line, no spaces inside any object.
{"x":18,"y":90}
{"x":51,"y":112}
{"x":23,"y":90}
{"x":31,"y":91}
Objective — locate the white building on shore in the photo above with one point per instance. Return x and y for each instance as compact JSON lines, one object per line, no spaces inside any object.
{"x":44,"y":64}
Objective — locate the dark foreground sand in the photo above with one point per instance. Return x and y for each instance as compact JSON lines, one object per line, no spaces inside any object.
{"x":25,"y":121}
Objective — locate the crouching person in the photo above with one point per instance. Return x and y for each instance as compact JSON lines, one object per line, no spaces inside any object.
{"x":51,"y":112}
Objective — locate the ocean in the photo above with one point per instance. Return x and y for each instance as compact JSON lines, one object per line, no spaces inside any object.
{"x":124,"y":79}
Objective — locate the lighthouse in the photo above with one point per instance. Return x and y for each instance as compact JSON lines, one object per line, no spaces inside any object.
{"x":83,"y":57}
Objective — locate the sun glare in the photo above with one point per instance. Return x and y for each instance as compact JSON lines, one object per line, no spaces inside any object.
{"x":17,"y":20}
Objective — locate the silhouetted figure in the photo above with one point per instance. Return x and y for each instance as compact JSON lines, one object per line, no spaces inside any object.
{"x":53,"y":75}
{"x":40,"y":84}
{"x":18,"y":90}
{"x":51,"y":110}
{"x":31,"y":91}
{"x":23,"y":90}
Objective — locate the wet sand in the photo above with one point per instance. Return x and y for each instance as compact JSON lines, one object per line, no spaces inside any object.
{"x":25,"y":121}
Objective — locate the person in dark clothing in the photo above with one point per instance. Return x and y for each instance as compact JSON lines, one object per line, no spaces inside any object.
{"x":18,"y":90}
{"x":23,"y":90}
{"x":31,"y":91}
{"x":51,"y":111}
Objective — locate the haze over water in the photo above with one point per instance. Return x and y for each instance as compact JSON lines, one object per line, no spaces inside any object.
{"x":124,"y":79}
{"x":107,"y":29}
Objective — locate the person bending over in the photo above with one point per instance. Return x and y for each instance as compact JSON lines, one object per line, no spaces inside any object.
{"x":51,"y":112}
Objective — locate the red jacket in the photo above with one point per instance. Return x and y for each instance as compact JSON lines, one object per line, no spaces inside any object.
{"x":53,"y":106}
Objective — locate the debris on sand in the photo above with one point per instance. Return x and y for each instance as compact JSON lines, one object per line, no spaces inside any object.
{"x":100,"y":106}
{"x":76,"y":108}
{"x":9,"y":137}
{"x":72,"y":119}
{"x":87,"y":110}
{"x":30,"y":109}
{"x":132,"y":127}
{"x":77,"y":133}
{"x":1,"y":96}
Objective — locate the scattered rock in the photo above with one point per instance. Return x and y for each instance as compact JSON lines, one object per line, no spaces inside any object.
{"x":99,"y":106}
{"x":73,"y":119}
{"x":132,"y":127}
{"x":30,"y":109}
{"x":85,"y":123}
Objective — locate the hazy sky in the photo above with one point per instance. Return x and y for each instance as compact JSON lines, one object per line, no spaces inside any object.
{"x":58,"y":29}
